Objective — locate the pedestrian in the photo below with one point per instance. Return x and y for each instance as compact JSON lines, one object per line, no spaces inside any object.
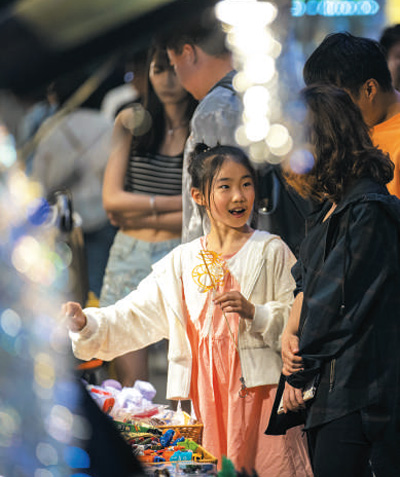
{"x":203,"y":63}
{"x":142,"y":190}
{"x":344,"y":327}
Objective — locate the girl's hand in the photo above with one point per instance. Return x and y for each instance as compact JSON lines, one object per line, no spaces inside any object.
{"x":290,"y":348}
{"x":292,"y":399}
{"x":235,"y":302}
{"x":76,"y":319}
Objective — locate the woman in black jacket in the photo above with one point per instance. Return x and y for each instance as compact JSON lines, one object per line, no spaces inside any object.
{"x":345,"y":323}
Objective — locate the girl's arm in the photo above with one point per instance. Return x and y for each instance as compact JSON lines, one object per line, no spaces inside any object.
{"x":132,"y":323}
{"x":115,"y":198}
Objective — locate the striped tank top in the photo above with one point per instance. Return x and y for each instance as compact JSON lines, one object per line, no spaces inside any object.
{"x":154,"y":174}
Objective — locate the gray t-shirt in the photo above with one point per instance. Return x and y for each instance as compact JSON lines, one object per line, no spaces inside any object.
{"x":214,"y":121}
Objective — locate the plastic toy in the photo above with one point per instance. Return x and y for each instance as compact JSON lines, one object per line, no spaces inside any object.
{"x":166,"y":438}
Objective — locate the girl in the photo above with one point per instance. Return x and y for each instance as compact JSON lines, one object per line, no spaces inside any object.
{"x":142,"y":190}
{"x":348,"y":277}
{"x":222,"y":301}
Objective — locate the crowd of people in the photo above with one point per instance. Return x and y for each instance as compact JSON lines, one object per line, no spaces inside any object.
{"x":176,"y":251}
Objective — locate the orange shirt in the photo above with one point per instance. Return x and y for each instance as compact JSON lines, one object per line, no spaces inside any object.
{"x":386,"y":136}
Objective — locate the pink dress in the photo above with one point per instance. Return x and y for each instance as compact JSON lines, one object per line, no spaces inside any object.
{"x":234,"y":426}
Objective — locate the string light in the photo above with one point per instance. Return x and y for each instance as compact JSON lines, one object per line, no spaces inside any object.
{"x":255,"y":51}
{"x":335,"y":8}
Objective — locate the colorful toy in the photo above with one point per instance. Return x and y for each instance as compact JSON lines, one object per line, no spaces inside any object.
{"x":181,"y":455}
{"x":166,"y":438}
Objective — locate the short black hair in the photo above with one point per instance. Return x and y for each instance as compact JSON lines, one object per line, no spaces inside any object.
{"x":205,"y":32}
{"x":347,"y":61}
{"x":390,"y":36}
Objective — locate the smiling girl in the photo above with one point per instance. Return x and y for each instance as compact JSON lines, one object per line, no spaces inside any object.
{"x":222,"y":301}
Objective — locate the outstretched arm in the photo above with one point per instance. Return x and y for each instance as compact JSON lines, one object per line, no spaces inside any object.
{"x":136,"y":321}
{"x":76,"y":319}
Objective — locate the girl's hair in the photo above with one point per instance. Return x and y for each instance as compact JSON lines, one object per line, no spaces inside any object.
{"x":205,"y":163}
{"x":151,"y":140}
{"x":341,"y":145}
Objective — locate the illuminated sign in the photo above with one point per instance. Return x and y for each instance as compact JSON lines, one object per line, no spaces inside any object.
{"x":334,"y":8}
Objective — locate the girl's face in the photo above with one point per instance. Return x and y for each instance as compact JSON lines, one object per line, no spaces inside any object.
{"x":164,"y":81}
{"x":232,"y":195}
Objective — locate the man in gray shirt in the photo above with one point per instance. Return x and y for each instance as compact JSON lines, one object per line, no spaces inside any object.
{"x":204,"y":66}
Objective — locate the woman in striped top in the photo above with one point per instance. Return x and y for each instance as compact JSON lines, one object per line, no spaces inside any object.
{"x":142,"y":190}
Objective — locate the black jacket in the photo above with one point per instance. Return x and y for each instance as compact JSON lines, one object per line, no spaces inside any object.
{"x":349,"y":271}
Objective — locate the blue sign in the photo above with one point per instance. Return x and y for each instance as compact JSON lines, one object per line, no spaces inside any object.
{"x":334,"y":8}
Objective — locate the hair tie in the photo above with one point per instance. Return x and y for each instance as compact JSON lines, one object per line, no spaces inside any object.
{"x":201,"y":148}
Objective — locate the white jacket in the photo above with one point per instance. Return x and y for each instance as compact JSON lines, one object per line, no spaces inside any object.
{"x":155,"y":311}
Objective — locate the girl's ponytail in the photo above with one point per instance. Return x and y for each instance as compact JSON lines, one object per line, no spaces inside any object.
{"x":196,"y":165}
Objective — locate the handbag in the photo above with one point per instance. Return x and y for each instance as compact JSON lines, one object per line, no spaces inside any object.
{"x":282,"y":210}
{"x":279,"y":421}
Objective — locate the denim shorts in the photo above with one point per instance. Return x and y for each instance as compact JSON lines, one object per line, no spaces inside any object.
{"x":129,"y":262}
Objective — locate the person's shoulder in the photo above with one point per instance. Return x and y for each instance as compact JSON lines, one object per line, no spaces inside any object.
{"x":220,"y":99}
{"x":216,"y":119}
{"x":263,"y":236}
{"x":179,"y":257}
{"x":390,"y":125}
{"x":192,"y":246}
{"x":262,"y":240}
{"x":373,"y":204}
{"x":187,"y":248}
{"x":271,"y":244}
{"x":129,"y":117}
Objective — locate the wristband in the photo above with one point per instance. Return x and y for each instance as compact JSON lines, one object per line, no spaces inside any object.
{"x":153,"y":204}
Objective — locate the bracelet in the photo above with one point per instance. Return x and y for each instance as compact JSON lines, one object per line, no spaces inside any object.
{"x":153,"y":204}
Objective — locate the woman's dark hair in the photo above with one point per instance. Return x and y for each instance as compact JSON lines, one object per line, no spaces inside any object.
{"x":205,"y":163}
{"x":151,"y":140}
{"x":341,"y":144}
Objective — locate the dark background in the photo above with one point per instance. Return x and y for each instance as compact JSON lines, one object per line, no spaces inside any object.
{"x":41,"y":40}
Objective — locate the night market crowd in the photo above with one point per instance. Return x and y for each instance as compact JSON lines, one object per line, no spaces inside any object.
{"x":286,"y":343}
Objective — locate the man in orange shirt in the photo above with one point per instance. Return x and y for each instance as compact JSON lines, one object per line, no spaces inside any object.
{"x":358,"y":65}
